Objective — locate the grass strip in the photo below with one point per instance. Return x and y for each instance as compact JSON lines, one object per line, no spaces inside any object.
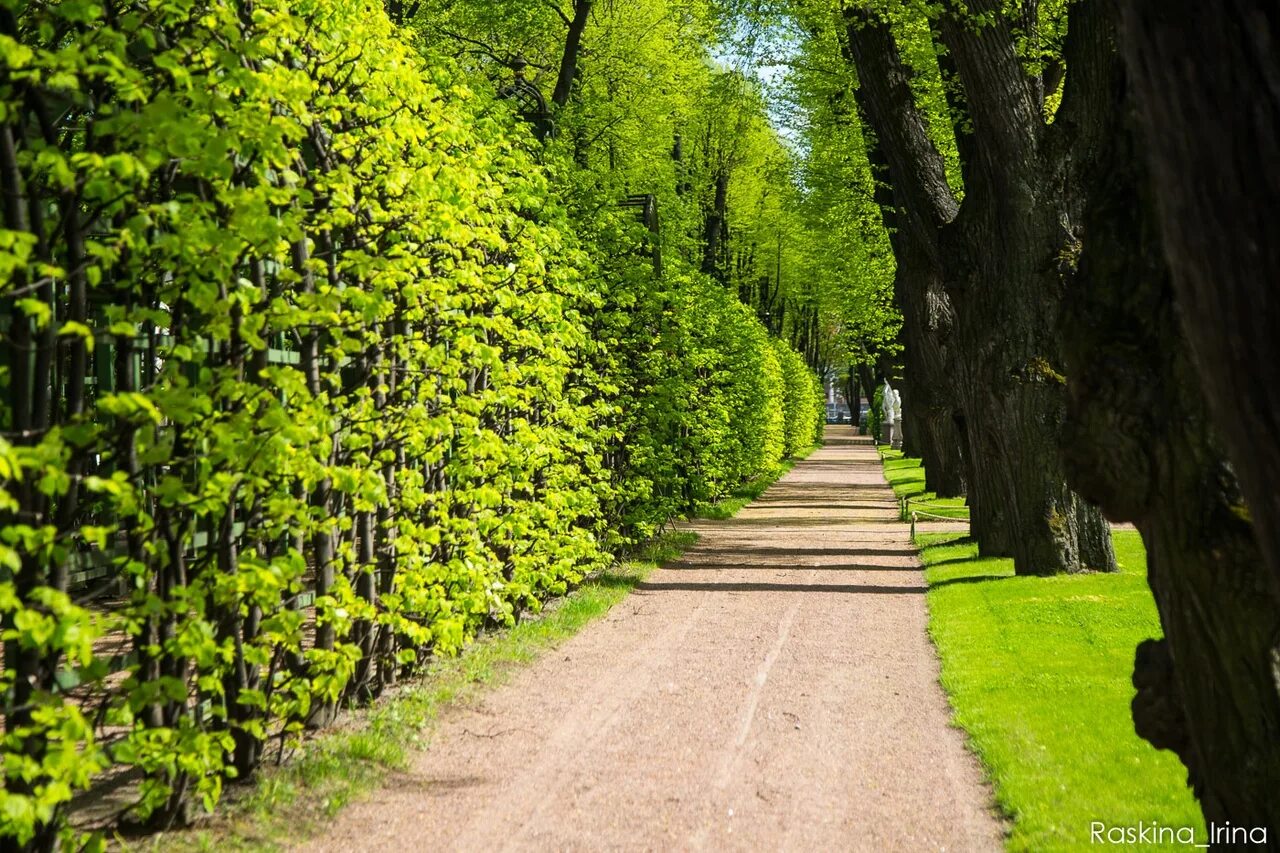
{"x":907,"y":478}
{"x":1038,"y":673}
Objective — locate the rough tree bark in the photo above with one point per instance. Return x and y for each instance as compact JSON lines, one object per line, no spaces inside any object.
{"x":928,"y":404}
{"x":918,"y":177}
{"x":1206,"y":85}
{"x":1011,"y":396}
{"x":1206,"y":79}
{"x":1008,"y":300}
{"x":1140,"y":441}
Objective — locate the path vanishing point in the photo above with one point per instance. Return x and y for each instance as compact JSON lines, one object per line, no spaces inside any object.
{"x":774,"y":689}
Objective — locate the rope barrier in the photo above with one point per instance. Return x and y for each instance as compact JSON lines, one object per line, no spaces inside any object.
{"x":915,"y":515}
{"x":905,"y":507}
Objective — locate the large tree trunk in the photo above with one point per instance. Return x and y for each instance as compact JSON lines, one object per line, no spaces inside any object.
{"x":918,"y":206}
{"x":1140,"y":441}
{"x":998,"y":258}
{"x":1013,"y":391}
{"x":928,"y":404}
{"x":1205,"y":82}
{"x":927,"y":401}
{"x":938,"y":445}
{"x":1141,"y":436}
{"x":1007,"y":301}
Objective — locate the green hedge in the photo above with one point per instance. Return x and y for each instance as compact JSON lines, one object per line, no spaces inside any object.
{"x":806,"y":407}
{"x":301,"y":353}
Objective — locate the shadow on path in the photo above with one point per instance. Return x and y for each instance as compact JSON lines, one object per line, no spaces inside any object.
{"x":780,"y":587}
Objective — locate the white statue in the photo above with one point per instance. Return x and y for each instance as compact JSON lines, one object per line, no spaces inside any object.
{"x":895,"y":438}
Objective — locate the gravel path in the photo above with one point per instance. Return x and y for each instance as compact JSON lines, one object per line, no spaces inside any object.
{"x":773,"y":690}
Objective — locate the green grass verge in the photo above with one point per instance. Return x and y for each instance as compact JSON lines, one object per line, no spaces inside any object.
{"x":1038,"y":673}
{"x":906,"y":477}
{"x":296,"y":799}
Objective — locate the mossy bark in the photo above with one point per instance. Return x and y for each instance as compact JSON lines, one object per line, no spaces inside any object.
{"x":1140,"y":440}
{"x":1207,"y":98}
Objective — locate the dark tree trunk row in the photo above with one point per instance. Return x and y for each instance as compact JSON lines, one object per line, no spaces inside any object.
{"x":1205,"y":78}
{"x":928,"y":401}
{"x":1188,"y":210}
{"x":1010,"y":394}
{"x":917,"y":203}
{"x":1141,"y":442}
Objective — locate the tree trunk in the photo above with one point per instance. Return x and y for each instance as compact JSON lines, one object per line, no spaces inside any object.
{"x":572,"y":49}
{"x":927,"y":405}
{"x":1141,"y":441}
{"x":939,"y":446}
{"x":997,"y":256}
{"x":928,"y":401}
{"x":1204,"y":79}
{"x":1007,"y":304}
{"x":1013,"y":392}
{"x":713,"y":234}
{"x":927,"y":316}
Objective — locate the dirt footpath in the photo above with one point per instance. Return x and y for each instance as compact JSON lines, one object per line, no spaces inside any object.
{"x":773,"y":690}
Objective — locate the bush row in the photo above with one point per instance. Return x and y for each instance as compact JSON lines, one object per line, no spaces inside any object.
{"x":308,"y":379}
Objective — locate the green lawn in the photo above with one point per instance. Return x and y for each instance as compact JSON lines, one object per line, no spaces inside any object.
{"x":906,"y":476}
{"x":1038,"y":673}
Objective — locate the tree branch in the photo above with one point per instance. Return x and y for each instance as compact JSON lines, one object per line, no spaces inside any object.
{"x":884,"y":94}
{"x":555,"y":7}
{"x":1006,"y":114}
{"x":572,"y":48}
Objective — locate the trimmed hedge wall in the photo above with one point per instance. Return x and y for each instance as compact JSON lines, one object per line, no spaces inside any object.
{"x":308,"y":379}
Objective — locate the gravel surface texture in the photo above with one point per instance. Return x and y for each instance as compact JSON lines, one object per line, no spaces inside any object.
{"x":774,"y":689}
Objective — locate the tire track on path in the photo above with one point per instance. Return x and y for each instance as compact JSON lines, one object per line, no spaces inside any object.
{"x":727,"y":766}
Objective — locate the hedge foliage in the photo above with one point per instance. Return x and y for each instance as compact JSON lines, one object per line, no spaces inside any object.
{"x":804,"y":406}
{"x":311,"y":378}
